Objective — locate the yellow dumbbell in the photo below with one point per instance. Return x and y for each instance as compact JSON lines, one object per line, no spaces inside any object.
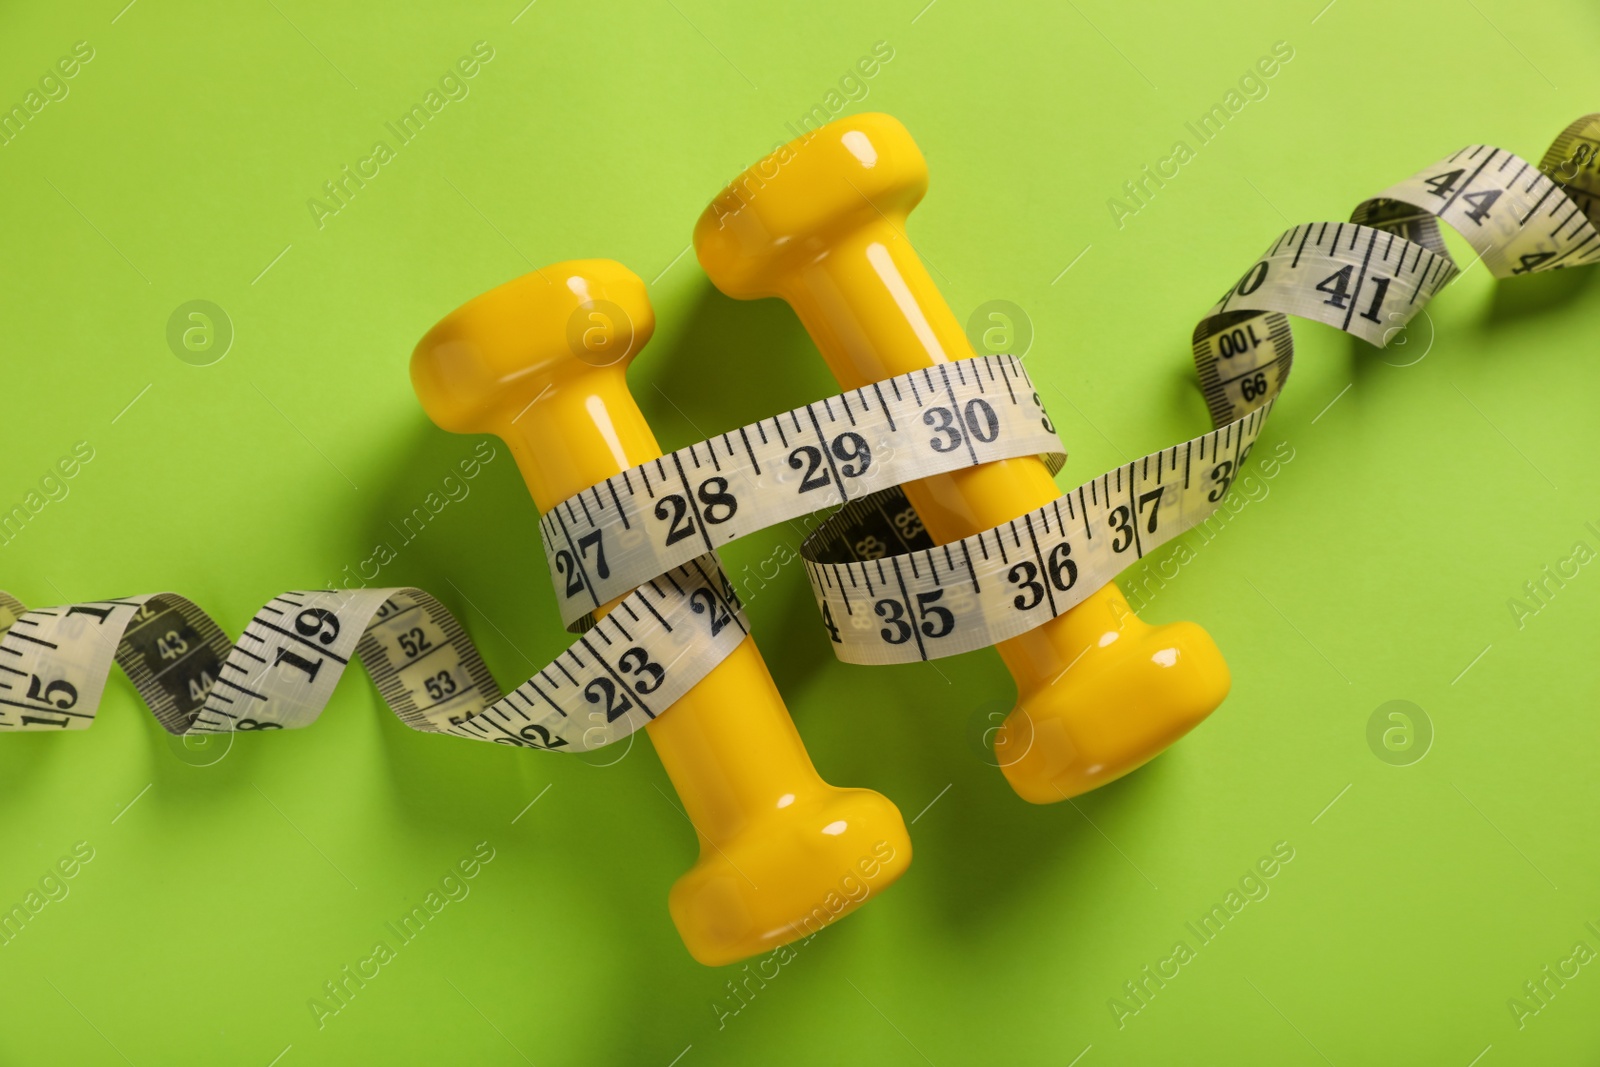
{"x":821,"y":223}
{"x":781,"y":851}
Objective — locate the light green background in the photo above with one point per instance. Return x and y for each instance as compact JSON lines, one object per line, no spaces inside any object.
{"x":1378,"y":568}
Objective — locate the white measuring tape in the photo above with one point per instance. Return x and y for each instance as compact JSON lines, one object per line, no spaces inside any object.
{"x":886,"y":593}
{"x":661,"y":639}
{"x":607,"y":539}
{"x":1367,"y":278}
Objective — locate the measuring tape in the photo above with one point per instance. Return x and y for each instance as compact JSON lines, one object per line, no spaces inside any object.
{"x":885,"y":591}
{"x":609,"y":538}
{"x":1367,"y":277}
{"x":658,"y":642}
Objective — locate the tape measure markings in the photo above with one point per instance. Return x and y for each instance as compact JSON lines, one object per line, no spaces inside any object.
{"x":655,"y":659}
{"x":1490,"y":208}
{"x":658,"y":643}
{"x":607,"y":539}
{"x":1574,"y":161}
{"x":941,"y":600}
{"x":1367,"y":280}
{"x":1368,"y":285}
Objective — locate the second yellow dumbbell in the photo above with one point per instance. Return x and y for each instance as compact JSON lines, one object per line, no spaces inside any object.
{"x":821,"y":223}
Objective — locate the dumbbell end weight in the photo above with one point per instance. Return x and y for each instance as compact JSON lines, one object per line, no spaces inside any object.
{"x":541,"y":362}
{"x":1100,"y":694}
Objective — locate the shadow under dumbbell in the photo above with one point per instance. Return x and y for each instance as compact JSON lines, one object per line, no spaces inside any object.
{"x":981,"y":848}
{"x":600,"y":818}
{"x":729,"y":363}
{"x":725,"y":364}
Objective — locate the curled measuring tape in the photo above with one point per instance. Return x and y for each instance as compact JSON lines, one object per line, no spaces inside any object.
{"x":282,"y":671}
{"x":886,"y":592}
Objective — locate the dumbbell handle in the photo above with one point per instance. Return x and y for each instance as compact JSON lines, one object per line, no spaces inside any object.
{"x":874,"y":312}
{"x":728,"y":744}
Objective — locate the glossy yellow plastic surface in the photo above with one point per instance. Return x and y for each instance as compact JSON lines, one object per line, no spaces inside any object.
{"x":541,"y":362}
{"x":821,"y":223}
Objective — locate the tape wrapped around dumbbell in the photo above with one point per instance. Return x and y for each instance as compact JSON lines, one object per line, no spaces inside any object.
{"x":1367,"y":277}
